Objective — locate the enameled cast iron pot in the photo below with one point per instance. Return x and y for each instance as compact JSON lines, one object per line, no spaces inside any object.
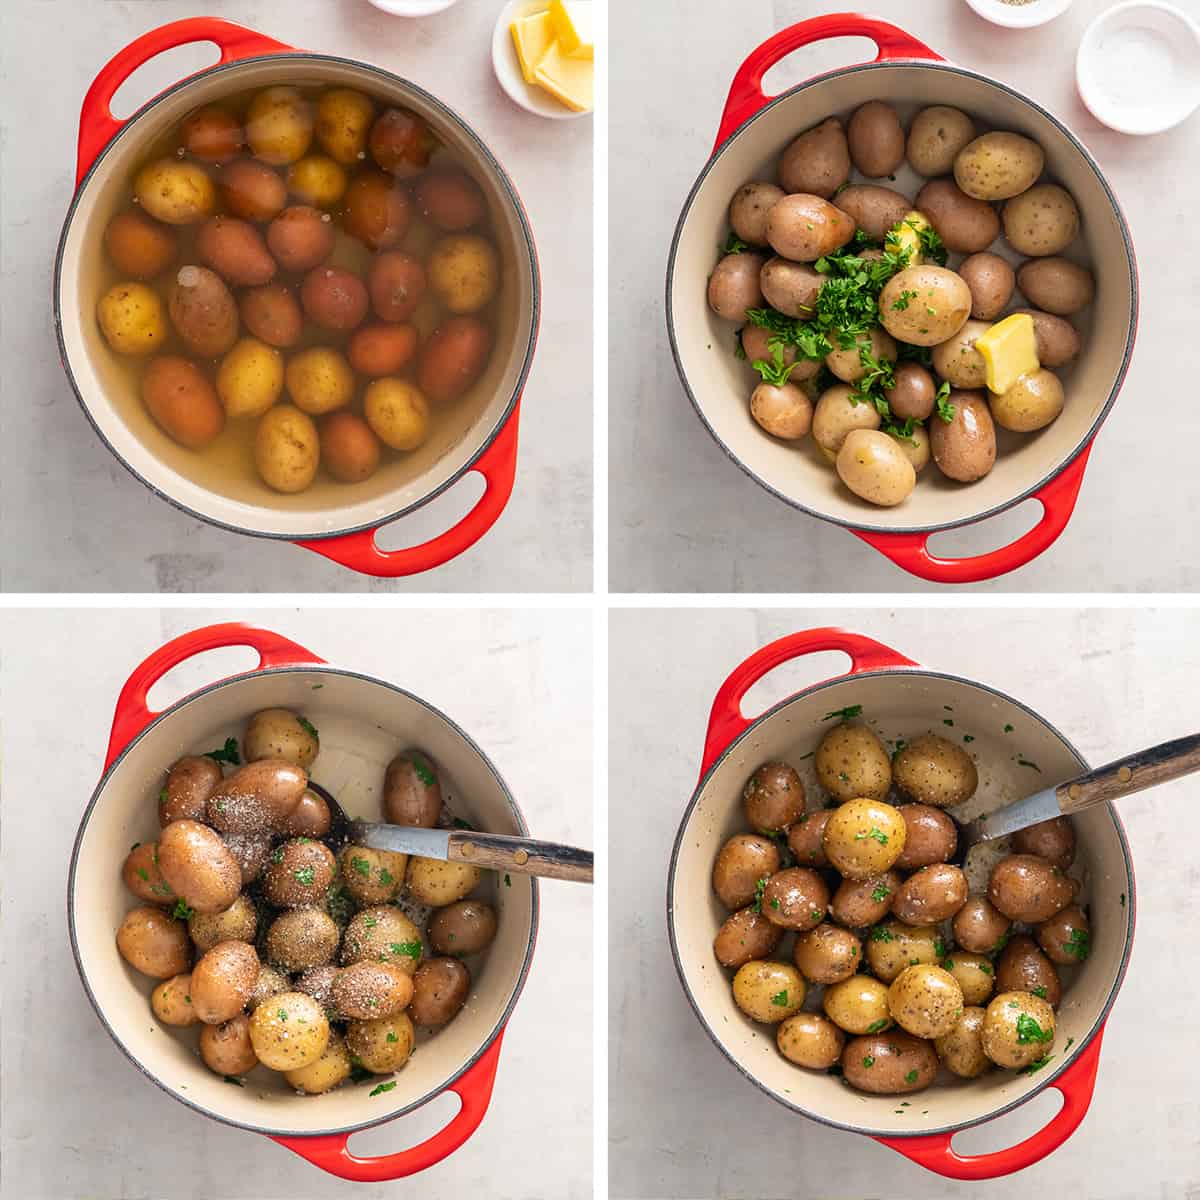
{"x":905,"y":699}
{"x":363,"y":721}
{"x":479,"y":433}
{"x":1047,"y":466}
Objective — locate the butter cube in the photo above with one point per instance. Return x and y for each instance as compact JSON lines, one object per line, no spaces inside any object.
{"x":567,"y":79}
{"x":573,"y":27}
{"x":1009,"y":350}
{"x":532,"y":36}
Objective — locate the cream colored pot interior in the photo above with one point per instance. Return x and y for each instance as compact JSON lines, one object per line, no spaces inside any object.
{"x":234,"y":496}
{"x":363,"y":724}
{"x":897,"y":705}
{"x":720,"y":384}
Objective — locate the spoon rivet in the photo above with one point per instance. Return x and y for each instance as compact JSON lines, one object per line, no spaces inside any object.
{"x":521,"y":857}
{"x":1074,"y":791}
{"x":1124,"y":774}
{"x":467,"y":849}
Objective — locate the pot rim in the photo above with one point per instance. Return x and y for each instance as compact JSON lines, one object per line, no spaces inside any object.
{"x":494,"y":167}
{"x":869,"y":1131}
{"x":1134,"y":298}
{"x":459,"y":1071}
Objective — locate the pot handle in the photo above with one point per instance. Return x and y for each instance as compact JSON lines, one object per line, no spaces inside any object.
{"x":910,"y":552}
{"x":1076,"y":1083}
{"x":746,"y":96}
{"x":133,"y":714}
{"x":726,"y":721}
{"x":498,"y":466}
{"x":474,"y":1089}
{"x":98,"y":126}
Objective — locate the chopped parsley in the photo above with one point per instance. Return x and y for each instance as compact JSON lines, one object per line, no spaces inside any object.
{"x":1028,"y":1030}
{"x":877,"y":1026}
{"x":881,"y":934}
{"x":1078,"y":944}
{"x":182,"y":910}
{"x":911,"y":1077}
{"x":383,"y":1087}
{"x":277,"y":856}
{"x":844,"y":714}
{"x":759,"y":887}
{"x":423,"y":771}
{"x":406,"y":949}
{"x":227,"y":753}
{"x":945,"y":409}
{"x":305,"y":876}
{"x":880,"y":893}
{"x":391,"y":1037}
{"x":875,"y":834}
{"x":780,"y":999}
{"x":901,"y":301}
{"x":1036,"y":1065}
{"x":1040,"y":992}
{"x":308,"y":727}
{"x":734,"y":244}
{"x":1008,"y":728}
{"x":361,"y":867}
{"x":868,"y":1061}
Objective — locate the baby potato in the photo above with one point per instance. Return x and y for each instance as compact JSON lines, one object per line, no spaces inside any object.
{"x":961,"y":1050}
{"x":452,"y":200}
{"x":377,"y":211}
{"x":924,"y":305}
{"x":974,"y":973}
{"x":237,"y":923}
{"x":931,"y":895}
{"x":300,"y":237}
{"x":964,"y":224}
{"x":440,"y":989}
{"x":464,"y":272}
{"x":396,"y":412}
{"x":319,"y":380}
{"x":805,"y":227}
{"x":152,"y":942}
{"x":933,"y":770}
{"x":925,"y":1000}
{"x":836,"y":417}
{"x":223,"y":981}
{"x":383,"y":934}
{"x":773,"y":797}
{"x":873,"y":466}
{"x":270,"y":983}
{"x":299,"y":873}
{"x":875,"y":210}
{"x":249,"y":379}
{"x":1058,"y":341}
{"x":184,"y":405}
{"x":141,"y":875}
{"x":331,"y":1069}
{"x":271,"y":314}
{"x":286,"y":449}
{"x":749,"y":208}
{"x":851,"y":763}
{"x":190,"y":782}
{"x":453,"y":358}
{"x":317,"y":982}
{"x":397,"y":284}
{"x":827,"y":954}
{"x":212,"y":134}
{"x":290,"y":1032}
{"x":795,"y":898}
{"x":1032,"y":403}
{"x":317,"y":180}
{"x":998,"y":165}
{"x":784,"y":411}
{"x":1053,"y":840}
{"x":349,"y":450}
{"x":979,"y":927}
{"x":964,"y":447}
{"x":342,"y":121}
{"x":810,"y":1040}
{"x":768,"y":992}
{"x":743,"y":936}
{"x":334,"y":298}
{"x":436,"y":883}
{"x":366,"y":990}
{"x":817,"y":162}
{"x":250,"y":852}
{"x":1018,"y":1029}
{"x":139,"y":247}
{"x":462,"y":928}
{"x":252,"y":190}
{"x":171,"y":1002}
{"x":857,"y":1005}
{"x":401,"y":142}
{"x":914,"y":446}
{"x":991,"y":281}
{"x":790,"y":287}
{"x":310,"y":818}
{"x":382,"y":1045}
{"x":197,"y":864}
{"x":227,"y":1049}
{"x":876,"y":139}
{"x":913,"y":392}
{"x":889,"y":1065}
{"x":894,"y":947}
{"x":257,"y":797}
{"x":1024,"y":888}
{"x":847,"y":362}
{"x":805,"y":838}
{"x":1065,"y":937}
{"x":930,"y":836}
{"x":236,"y":251}
{"x":301,"y":938}
{"x":203,"y":311}
{"x":280,"y":733}
{"x":279,"y":125}
{"x":957,"y":360}
{"x":1057,"y":285}
{"x":935,"y":137}
{"x":131,"y":319}
{"x":1043,"y":220}
{"x":864,"y":837}
{"x":412,"y":794}
{"x":175,"y":191}
{"x":858,"y":903}
{"x":1022,"y":967}
{"x":371,"y":877}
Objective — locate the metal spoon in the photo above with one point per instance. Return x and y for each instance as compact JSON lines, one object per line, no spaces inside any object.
{"x":491,"y":851}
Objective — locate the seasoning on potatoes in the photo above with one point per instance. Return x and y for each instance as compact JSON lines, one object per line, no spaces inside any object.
{"x":139,"y":247}
{"x":1018,"y":1029}
{"x":876,"y":139}
{"x":299,"y":873}
{"x":141,"y":875}
{"x":397,"y":412}
{"x":861,"y":902}
{"x":257,"y":797}
{"x":203,"y":311}
{"x":931,"y":895}
{"x":744,"y":861}
{"x":852,"y":763}
{"x":1022,"y":967}
{"x":998,"y":165}
{"x":223,"y":981}
{"x":174,"y":191}
{"x":453,"y":358}
{"x":961,"y":1049}
{"x":252,"y":190}
{"x":964,"y":447}
{"x":817,"y":162}
{"x":383,"y":934}
{"x":171,"y":1002}
{"x":827,"y":954}
{"x":270,"y":983}
{"x":371,"y":876}
{"x":974,"y":974}
{"x":1065,"y":937}
{"x":810,"y":1040}
{"x":806,"y":838}
{"x":991,"y":282}
{"x":773,"y":797}
{"x":250,"y":852}
{"x":934,"y":771}
{"x":804,"y":227}
{"x":462,"y":928}
{"x":153,"y":943}
{"x":327,"y":1072}
{"x":227,"y":1049}
{"x":1043,"y":220}
{"x":1056,"y":285}
{"x":300,"y":237}
{"x":237,"y":923}
{"x":286,"y":449}
{"x":925,"y":1000}
{"x":891,"y":1064}
{"x":924,"y":305}
{"x":872,"y":465}
{"x":382,"y":1045}
{"x":768,"y":992}
{"x":858,"y":1005}
{"x":366,"y":990}
{"x":864,"y":838}
{"x":1026,"y":888}
{"x":979,"y":927}
{"x":795,"y":898}
{"x":301,"y":938}
{"x":341,"y":123}
{"x":440,"y":989}
{"x":349,"y":450}
{"x":412,"y":794}
{"x":198,"y":865}
{"x":930,"y":836}
{"x":894,"y":947}
{"x":291,"y":1031}
{"x":279,"y":125}
{"x":1033,"y":402}
{"x":183,"y":403}
{"x":935,"y":137}
{"x":743,"y":936}
{"x":131,"y":319}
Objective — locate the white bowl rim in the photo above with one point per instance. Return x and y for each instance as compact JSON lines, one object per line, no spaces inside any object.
{"x":1007,"y":16}
{"x":552,"y":110}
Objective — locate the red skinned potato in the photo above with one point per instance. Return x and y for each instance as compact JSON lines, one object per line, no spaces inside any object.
{"x":198,"y":865}
{"x":397,"y":284}
{"x":452,"y":200}
{"x":334,"y":298}
{"x":203,"y":311}
{"x":401,"y":142}
{"x":140,"y":247}
{"x":257,"y":798}
{"x":381,"y":349}
{"x":817,"y":162}
{"x":211,"y":134}
{"x":806,"y":227}
{"x":301,"y":237}
{"x":272,"y":314}
{"x":454,"y":358}
{"x":182,"y":401}
{"x":236,"y":251}
{"x":252,"y":190}
{"x":349,"y":450}
{"x":377,"y":210}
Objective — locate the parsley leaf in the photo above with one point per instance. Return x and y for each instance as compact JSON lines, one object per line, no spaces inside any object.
{"x":227,"y":753}
{"x":844,"y":714}
{"x":945,"y":409}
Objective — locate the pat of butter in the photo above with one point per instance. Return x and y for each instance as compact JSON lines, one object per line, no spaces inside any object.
{"x":906,"y":236}
{"x":567,"y":79}
{"x":1009,"y":350}
{"x":573,"y":27}
{"x":532,"y":36}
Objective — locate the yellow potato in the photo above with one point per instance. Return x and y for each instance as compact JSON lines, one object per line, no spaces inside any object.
{"x":332,"y":1068}
{"x":851,"y":761}
{"x":317,"y":180}
{"x":289,"y":1032}
{"x":1033,"y":402}
{"x":382,"y":1046}
{"x":319,"y":380}
{"x":132,"y":319}
{"x":436,"y":883}
{"x":998,"y":165}
{"x":280,"y":733}
{"x":250,"y":378}
{"x":344,"y":119}
{"x":286,"y":449}
{"x":175,"y":192}
{"x":768,"y":992}
{"x":925,"y":1000}
{"x":397,"y":413}
{"x":893,"y":946}
{"x":279,"y":125}
{"x":864,"y":837}
{"x":858,"y":1005}
{"x":874,"y":467}
{"x":464,"y":272}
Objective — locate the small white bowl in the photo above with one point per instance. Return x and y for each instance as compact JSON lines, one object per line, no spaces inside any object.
{"x":413,"y":8}
{"x":1019,"y":16}
{"x":1138,"y":67}
{"x":508,"y":66}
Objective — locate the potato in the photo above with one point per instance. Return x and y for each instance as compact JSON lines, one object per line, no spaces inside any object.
{"x":299,"y":873}
{"x":827,"y":954}
{"x":412,"y":794}
{"x":301,"y":938}
{"x":259,"y":796}
{"x":974,"y":973}
{"x":756,"y":343}
{"x":270,"y":983}
{"x":203,"y":311}
{"x":961,"y":1050}
{"x":300,"y":237}
{"x":768,"y":992}
{"x":1022,"y":967}
{"x":397,"y":284}
{"x":131,"y":319}
{"x":851,"y":763}
{"x":790,"y":287}
{"x":872,"y":465}
{"x":318,"y":982}
{"x":834,"y":418}
{"x":174,"y":191}
{"x":279,"y":125}
{"x":1032,"y":403}
{"x":227,"y":1049}
{"x":1065,"y":937}
{"x":371,"y":877}
{"x":749,"y":208}
{"x":1044,"y":220}
{"x":1057,"y":285}
{"x":462,"y":928}
{"x":743,"y":936}
{"x":249,"y":379}
{"x":139,"y":247}
{"x":924,"y":305}
{"x":810,"y":1040}
{"x":440,"y":989}
{"x":401,"y":142}
{"x":864,"y":838}
{"x":1023,"y":887}
{"x":349,"y":450}
{"x":805,"y":227}
{"x":190,"y":782}
{"x":784,"y":411}
{"x":913,"y":392}
{"x":212,"y":134}
{"x":964,"y":448}
{"x":252,"y":190}
{"x":795,"y":898}
{"x":858,"y":903}
{"x":237,"y":923}
{"x":397,"y":413}
{"x":235,"y":250}
{"x":805,"y":838}
{"x":991,"y":281}
{"x":873,"y":209}
{"x":250,"y":852}
{"x":894,"y":947}
{"x":279,"y":733}
{"x":978,"y":926}
{"x":436,"y":883}
{"x":1058,"y":341}
{"x":935,"y":137}
{"x":141,"y":875}
{"x":342,"y":121}
{"x":925,"y":1000}
{"x":957,"y":360}
{"x":197,"y":864}
{"x":857,"y":1005}
{"x":998,"y":165}
{"x":889,"y":1065}
{"x":272,"y":315}
{"x":381,"y":349}
{"x":914,"y":446}
{"x":930,"y":836}
{"x":334,"y":298}
{"x":817,"y":162}
{"x":931,"y":895}
{"x":383,"y":1045}
{"x":152,"y":942}
{"x":286,"y":449}
{"x":377,"y":211}
{"x":171,"y":1002}
{"x":319,"y":380}
{"x":451,"y":200}
{"x":383,"y":934}
{"x":1053,"y":840}
{"x":964,"y":224}
{"x":290,"y":1032}
{"x":933,"y":770}
{"x":876,"y":139}
{"x":317,"y":180}
{"x":1018,"y":1029}
{"x":464,"y":272}
{"x":223,"y":981}
{"x":178,"y":395}
{"x":453,"y":358}
{"x":773,"y":797}
{"x":847,"y":362}
{"x":331,"y":1069}
{"x":366,"y":990}
{"x":310,"y":818}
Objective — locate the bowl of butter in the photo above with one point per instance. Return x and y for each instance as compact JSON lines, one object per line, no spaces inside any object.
{"x":544,"y":56}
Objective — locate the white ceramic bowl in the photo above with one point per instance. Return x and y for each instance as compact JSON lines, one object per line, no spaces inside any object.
{"x":413,"y":8}
{"x":508,"y":67}
{"x":1019,"y":16}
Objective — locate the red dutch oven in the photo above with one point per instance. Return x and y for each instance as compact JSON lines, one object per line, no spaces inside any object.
{"x":1047,"y":466}
{"x":363,"y":721}
{"x":478,"y":433}
{"x":903,"y":699}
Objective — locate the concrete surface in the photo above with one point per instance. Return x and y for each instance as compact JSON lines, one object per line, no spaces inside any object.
{"x":682,"y":516}
{"x":77,"y":1119}
{"x":683,"y":1122}
{"x":74,"y":519}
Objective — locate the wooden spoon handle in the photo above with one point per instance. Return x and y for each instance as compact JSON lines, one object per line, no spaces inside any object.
{"x":1145,"y":769}
{"x":497,"y":852}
